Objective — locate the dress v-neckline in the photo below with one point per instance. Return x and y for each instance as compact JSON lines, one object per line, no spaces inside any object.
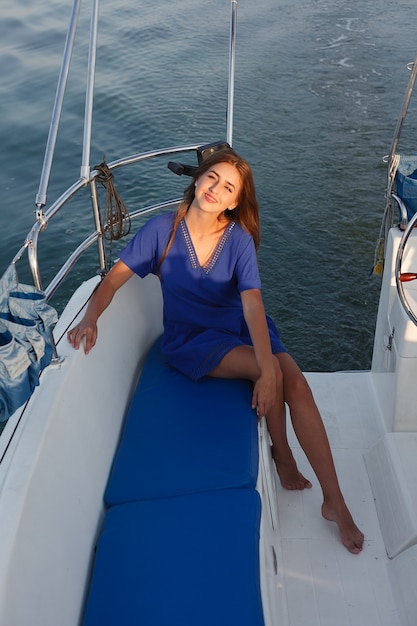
{"x":211,"y":262}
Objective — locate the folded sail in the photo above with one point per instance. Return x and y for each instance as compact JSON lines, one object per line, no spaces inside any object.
{"x":26,"y":322}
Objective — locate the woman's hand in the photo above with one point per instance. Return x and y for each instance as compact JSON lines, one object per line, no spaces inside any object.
{"x":264,"y":394}
{"x":87,"y":330}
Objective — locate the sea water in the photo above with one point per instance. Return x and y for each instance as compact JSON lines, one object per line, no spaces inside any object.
{"x":319,"y":86}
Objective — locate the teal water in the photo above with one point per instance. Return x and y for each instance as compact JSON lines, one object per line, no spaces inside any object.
{"x":319,"y":86}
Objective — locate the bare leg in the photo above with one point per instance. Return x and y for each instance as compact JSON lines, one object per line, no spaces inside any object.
{"x":290,"y":476}
{"x":311,"y":434}
{"x":292,"y":386}
{"x":241,"y":363}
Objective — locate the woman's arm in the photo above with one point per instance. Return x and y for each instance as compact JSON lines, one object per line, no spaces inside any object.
{"x":264,"y":392}
{"x":87,"y":327}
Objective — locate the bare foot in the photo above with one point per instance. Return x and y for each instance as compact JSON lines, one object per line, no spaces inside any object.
{"x":291,"y":478}
{"x":352,"y":538}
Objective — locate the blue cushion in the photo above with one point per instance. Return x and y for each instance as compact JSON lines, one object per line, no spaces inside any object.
{"x":184,"y":437}
{"x":185,"y":561}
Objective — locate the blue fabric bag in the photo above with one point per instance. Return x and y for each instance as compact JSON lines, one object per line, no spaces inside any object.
{"x":15,"y":383}
{"x":26,"y":322}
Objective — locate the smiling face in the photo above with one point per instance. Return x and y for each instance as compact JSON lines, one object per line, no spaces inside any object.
{"x":218,"y":188}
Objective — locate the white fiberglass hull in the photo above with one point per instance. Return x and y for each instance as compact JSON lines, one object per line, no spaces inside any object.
{"x":55,"y":468}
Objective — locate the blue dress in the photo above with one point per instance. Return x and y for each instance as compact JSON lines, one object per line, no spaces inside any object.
{"x":203,"y":315}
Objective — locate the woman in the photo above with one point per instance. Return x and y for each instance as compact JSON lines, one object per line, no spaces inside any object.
{"x":214,"y":318}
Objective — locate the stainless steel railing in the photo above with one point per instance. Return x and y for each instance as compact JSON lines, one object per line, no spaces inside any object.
{"x":31,"y":243}
{"x":43,"y":215}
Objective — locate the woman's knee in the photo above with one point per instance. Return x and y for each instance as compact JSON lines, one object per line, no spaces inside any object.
{"x":297,"y":389}
{"x":295,"y":383}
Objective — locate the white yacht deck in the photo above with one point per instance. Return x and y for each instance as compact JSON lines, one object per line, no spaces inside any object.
{"x":317,"y":582}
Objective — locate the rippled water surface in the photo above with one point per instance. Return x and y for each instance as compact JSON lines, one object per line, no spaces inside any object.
{"x":319,"y":86}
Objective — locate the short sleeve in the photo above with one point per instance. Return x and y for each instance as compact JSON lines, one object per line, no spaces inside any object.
{"x":247,"y":271}
{"x":143,"y":252}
